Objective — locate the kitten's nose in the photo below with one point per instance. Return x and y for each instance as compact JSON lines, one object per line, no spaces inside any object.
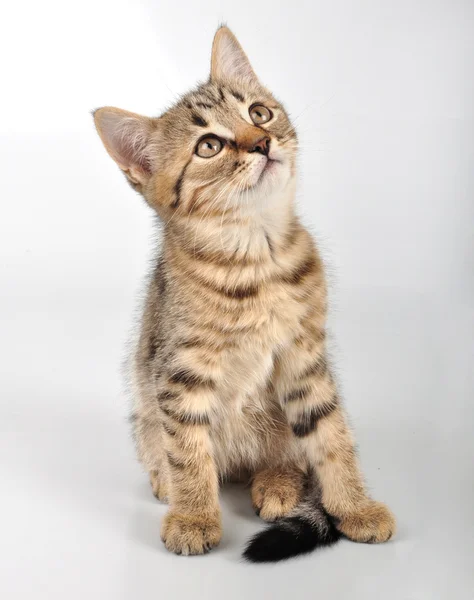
{"x":262,"y":145}
{"x":252,"y":139}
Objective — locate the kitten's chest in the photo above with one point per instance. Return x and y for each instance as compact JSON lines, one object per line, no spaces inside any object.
{"x":250,"y":363}
{"x":280,"y":315}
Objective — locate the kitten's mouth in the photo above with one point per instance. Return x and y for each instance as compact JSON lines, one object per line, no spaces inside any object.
{"x":269,"y":167}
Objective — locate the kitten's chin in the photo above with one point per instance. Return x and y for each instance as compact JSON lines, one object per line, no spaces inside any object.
{"x":268,"y":171}
{"x":271,"y":166}
{"x":270,"y":189}
{"x":275,"y":174}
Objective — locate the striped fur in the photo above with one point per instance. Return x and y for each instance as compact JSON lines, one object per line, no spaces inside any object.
{"x":230,"y":371}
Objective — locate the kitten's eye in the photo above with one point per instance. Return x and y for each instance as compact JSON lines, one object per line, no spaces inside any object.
{"x":209,"y":147}
{"x":260,"y":114}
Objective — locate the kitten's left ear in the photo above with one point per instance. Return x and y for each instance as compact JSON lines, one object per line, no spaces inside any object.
{"x":127,"y":138}
{"x":228,"y":60}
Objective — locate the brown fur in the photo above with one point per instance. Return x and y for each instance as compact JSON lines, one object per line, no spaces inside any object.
{"x":230,"y":371}
{"x":276,"y":492}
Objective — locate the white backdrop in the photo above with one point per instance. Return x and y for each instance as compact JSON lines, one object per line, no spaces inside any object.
{"x":382,"y":93}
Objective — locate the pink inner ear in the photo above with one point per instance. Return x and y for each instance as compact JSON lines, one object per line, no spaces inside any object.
{"x":132,"y":145}
{"x":126,"y":138}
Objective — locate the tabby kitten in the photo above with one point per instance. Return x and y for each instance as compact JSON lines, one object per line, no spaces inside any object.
{"x":231,"y":372}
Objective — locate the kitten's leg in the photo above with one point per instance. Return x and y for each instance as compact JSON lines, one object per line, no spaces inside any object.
{"x":148,"y":434}
{"x":275,"y":492}
{"x":193,"y":523}
{"x":310,"y":400}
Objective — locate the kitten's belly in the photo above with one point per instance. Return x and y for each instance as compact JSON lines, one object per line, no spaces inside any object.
{"x":248,"y":436}
{"x":250,"y":428}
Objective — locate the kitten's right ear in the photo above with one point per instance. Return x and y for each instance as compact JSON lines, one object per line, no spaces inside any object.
{"x":126,"y":137}
{"x":228,"y":60}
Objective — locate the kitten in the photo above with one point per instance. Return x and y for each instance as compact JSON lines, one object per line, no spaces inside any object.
{"x":231,"y":369}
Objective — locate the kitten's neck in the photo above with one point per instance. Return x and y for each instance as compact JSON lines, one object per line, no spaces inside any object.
{"x":251,"y":234}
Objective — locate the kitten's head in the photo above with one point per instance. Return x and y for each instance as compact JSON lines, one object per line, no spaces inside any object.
{"x":228,"y":144}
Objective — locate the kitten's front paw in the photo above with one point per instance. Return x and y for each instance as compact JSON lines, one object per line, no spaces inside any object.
{"x":374,"y":523}
{"x":190,"y":534}
{"x":276,"y":493}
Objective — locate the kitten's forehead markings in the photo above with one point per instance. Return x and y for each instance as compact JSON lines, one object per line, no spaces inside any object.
{"x":237,"y":95}
{"x":209,"y":97}
{"x":204,"y":105}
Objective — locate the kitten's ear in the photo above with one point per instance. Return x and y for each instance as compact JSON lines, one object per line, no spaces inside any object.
{"x":126,"y":137}
{"x":228,"y":60}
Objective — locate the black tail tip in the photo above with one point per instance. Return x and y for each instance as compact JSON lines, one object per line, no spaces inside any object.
{"x":288,"y":538}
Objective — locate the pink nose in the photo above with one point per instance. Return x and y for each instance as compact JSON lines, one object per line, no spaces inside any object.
{"x":253,"y":139}
{"x":262,"y":146}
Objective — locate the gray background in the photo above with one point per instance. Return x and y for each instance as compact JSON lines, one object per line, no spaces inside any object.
{"x":382,"y":94}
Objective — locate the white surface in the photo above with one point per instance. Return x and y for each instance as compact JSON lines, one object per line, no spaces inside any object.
{"x":382,"y":94}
